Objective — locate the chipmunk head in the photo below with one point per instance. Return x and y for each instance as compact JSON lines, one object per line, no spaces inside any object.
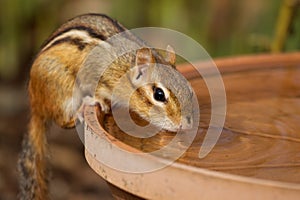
{"x":162,"y":95}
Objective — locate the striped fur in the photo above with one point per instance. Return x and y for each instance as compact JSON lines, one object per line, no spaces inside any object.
{"x":53,"y":77}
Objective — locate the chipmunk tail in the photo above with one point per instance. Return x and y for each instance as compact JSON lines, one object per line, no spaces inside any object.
{"x":32,"y":165}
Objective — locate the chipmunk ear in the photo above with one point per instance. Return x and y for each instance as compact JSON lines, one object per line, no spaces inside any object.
{"x":170,"y":55}
{"x":141,"y":72}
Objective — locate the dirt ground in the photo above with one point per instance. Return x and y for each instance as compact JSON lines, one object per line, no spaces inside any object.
{"x":71,"y":177}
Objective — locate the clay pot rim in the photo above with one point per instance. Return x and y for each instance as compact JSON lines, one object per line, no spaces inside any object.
{"x":225,"y":65}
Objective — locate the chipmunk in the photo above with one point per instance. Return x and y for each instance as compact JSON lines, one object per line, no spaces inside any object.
{"x":54,"y":74}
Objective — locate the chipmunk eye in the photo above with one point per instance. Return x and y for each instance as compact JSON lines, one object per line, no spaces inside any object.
{"x":159,"y":94}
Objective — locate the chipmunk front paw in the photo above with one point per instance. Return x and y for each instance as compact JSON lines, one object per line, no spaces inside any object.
{"x":91,"y":101}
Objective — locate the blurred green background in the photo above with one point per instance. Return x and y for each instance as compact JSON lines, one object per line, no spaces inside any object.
{"x":223,"y":27}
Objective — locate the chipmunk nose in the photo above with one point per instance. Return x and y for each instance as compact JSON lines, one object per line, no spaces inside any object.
{"x":187,"y":122}
{"x":188,"y":119}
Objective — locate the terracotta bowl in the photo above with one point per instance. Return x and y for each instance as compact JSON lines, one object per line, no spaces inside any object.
{"x":256,"y":157}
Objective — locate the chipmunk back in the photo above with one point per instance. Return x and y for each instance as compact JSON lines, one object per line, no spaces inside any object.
{"x":64,"y":61}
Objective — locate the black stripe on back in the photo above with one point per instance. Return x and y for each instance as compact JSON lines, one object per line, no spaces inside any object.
{"x":90,"y":31}
{"x":74,"y":41}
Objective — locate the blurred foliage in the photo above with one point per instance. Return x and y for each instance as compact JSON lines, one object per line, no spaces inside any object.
{"x":286,"y":26}
{"x":222,"y":27}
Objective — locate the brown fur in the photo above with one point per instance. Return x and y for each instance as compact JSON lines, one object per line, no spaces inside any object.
{"x":174,"y":115}
{"x":52,"y":79}
{"x":33,"y":163}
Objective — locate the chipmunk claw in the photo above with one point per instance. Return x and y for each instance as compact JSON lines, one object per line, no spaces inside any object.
{"x":90,"y":101}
